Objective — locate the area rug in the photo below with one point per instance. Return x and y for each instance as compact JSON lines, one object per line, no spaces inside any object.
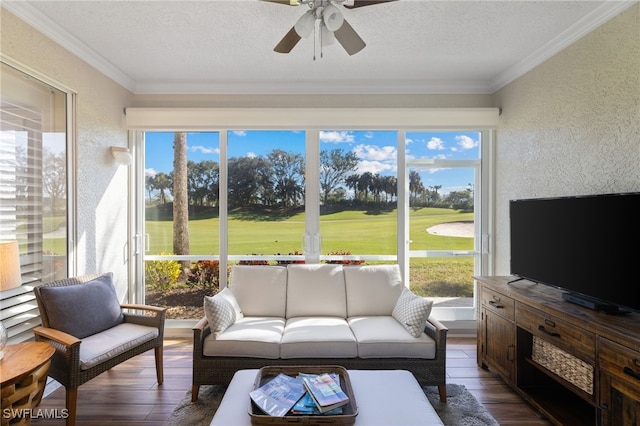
{"x":461,"y":408}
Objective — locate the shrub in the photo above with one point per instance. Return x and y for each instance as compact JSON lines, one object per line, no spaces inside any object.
{"x":204,"y":274}
{"x":343,"y":262}
{"x":292,"y":262}
{"x":161,"y":274}
{"x":253,"y":262}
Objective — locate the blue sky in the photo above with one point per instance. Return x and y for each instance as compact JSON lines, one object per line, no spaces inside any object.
{"x":376,"y":150}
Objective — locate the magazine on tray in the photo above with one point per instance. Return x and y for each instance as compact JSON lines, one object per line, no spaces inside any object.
{"x":325,"y":391}
{"x":278,"y":395}
{"x":306,"y":405}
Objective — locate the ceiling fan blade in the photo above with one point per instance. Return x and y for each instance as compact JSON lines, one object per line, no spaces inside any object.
{"x":361,"y":3}
{"x":285,"y":2}
{"x":349,"y":38}
{"x":288,"y":42}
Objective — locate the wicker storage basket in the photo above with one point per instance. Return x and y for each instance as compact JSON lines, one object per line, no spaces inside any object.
{"x":565,"y":365}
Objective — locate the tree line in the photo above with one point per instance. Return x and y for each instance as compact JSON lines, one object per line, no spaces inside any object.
{"x":277,"y":180}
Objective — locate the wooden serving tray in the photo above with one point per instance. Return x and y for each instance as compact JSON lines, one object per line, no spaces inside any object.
{"x":349,"y":412}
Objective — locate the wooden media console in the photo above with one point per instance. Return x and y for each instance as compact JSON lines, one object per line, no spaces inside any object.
{"x":575,"y":365}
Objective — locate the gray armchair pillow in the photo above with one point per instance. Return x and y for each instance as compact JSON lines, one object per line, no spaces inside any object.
{"x":83,"y":309}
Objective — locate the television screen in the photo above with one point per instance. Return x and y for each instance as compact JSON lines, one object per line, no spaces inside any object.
{"x":587,"y":245}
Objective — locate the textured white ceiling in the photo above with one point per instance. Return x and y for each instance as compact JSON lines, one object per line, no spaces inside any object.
{"x":226,"y":46}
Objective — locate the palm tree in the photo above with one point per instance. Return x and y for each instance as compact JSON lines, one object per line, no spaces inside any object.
{"x":180,"y":197}
{"x":352,"y":183}
{"x":161,"y":183}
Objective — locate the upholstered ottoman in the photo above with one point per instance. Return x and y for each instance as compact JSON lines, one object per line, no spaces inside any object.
{"x":384,"y":397}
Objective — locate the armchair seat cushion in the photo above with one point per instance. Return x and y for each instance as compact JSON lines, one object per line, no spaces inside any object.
{"x":385,"y":337}
{"x":110,"y":343}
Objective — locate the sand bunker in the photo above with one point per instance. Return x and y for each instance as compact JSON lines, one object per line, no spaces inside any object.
{"x":453,"y":229}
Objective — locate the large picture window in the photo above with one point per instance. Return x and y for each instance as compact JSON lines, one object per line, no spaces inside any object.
{"x":327,"y":193}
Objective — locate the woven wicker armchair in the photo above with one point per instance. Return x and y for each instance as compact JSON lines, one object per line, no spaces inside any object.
{"x":79,"y":359}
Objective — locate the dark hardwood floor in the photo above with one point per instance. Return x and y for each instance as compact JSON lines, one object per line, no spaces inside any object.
{"x":129,"y":395}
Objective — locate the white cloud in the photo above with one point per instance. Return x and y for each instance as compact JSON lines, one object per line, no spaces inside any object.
{"x":204,"y":149}
{"x":373,"y":152}
{"x":150,"y":172}
{"x":435,"y":143}
{"x":465,"y":142}
{"x":239,"y":133}
{"x":336,"y":137}
{"x":374,"y":167}
{"x":376,"y":159}
{"x":251,"y":155}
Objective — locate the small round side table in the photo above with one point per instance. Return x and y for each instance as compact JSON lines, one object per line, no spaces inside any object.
{"x":23,"y":371}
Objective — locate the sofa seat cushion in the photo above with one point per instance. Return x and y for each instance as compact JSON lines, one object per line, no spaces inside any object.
{"x":318,"y":337}
{"x":253,"y":337}
{"x":385,"y":337}
{"x":112,"y":342}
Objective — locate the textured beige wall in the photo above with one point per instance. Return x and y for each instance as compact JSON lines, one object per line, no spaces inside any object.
{"x":102,"y":185}
{"x":571,"y":126}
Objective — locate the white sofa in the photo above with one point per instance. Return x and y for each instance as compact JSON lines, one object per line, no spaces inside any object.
{"x":359,"y":317}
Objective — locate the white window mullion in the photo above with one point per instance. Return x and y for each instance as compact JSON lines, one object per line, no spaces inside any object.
{"x":313,"y":246}
{"x":223,"y":207}
{"x":403,"y":211}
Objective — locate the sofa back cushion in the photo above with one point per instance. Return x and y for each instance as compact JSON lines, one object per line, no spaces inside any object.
{"x":372,"y":289}
{"x":316,"y":290}
{"x":261,"y":291}
{"x":85,"y":309}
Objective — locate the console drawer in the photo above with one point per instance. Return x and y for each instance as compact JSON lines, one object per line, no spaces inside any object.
{"x":620,"y":361}
{"x":498,"y":303}
{"x":563,"y":335}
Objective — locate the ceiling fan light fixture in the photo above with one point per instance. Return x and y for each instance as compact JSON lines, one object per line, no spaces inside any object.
{"x":332,"y":17}
{"x":306,"y":24}
{"x":326,"y":36}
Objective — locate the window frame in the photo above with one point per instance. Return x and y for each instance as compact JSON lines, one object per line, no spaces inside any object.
{"x":312,"y":121}
{"x":24,"y":322}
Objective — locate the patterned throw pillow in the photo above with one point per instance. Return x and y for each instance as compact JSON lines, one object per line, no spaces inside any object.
{"x":219,"y":311}
{"x":228,"y":295}
{"x":412,"y":312}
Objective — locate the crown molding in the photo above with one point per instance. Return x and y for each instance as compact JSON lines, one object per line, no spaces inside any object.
{"x":588,"y":23}
{"x":55,"y":32}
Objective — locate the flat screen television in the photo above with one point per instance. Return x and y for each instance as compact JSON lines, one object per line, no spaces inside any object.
{"x":588,"y":246}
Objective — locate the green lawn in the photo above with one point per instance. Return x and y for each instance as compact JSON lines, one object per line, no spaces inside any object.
{"x":356,"y":231}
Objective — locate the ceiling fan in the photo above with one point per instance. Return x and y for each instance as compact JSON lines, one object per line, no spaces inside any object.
{"x":325,"y":17}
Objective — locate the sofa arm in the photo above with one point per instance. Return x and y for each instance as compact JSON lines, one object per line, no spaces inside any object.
{"x":200,"y":331}
{"x":438,"y":332}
